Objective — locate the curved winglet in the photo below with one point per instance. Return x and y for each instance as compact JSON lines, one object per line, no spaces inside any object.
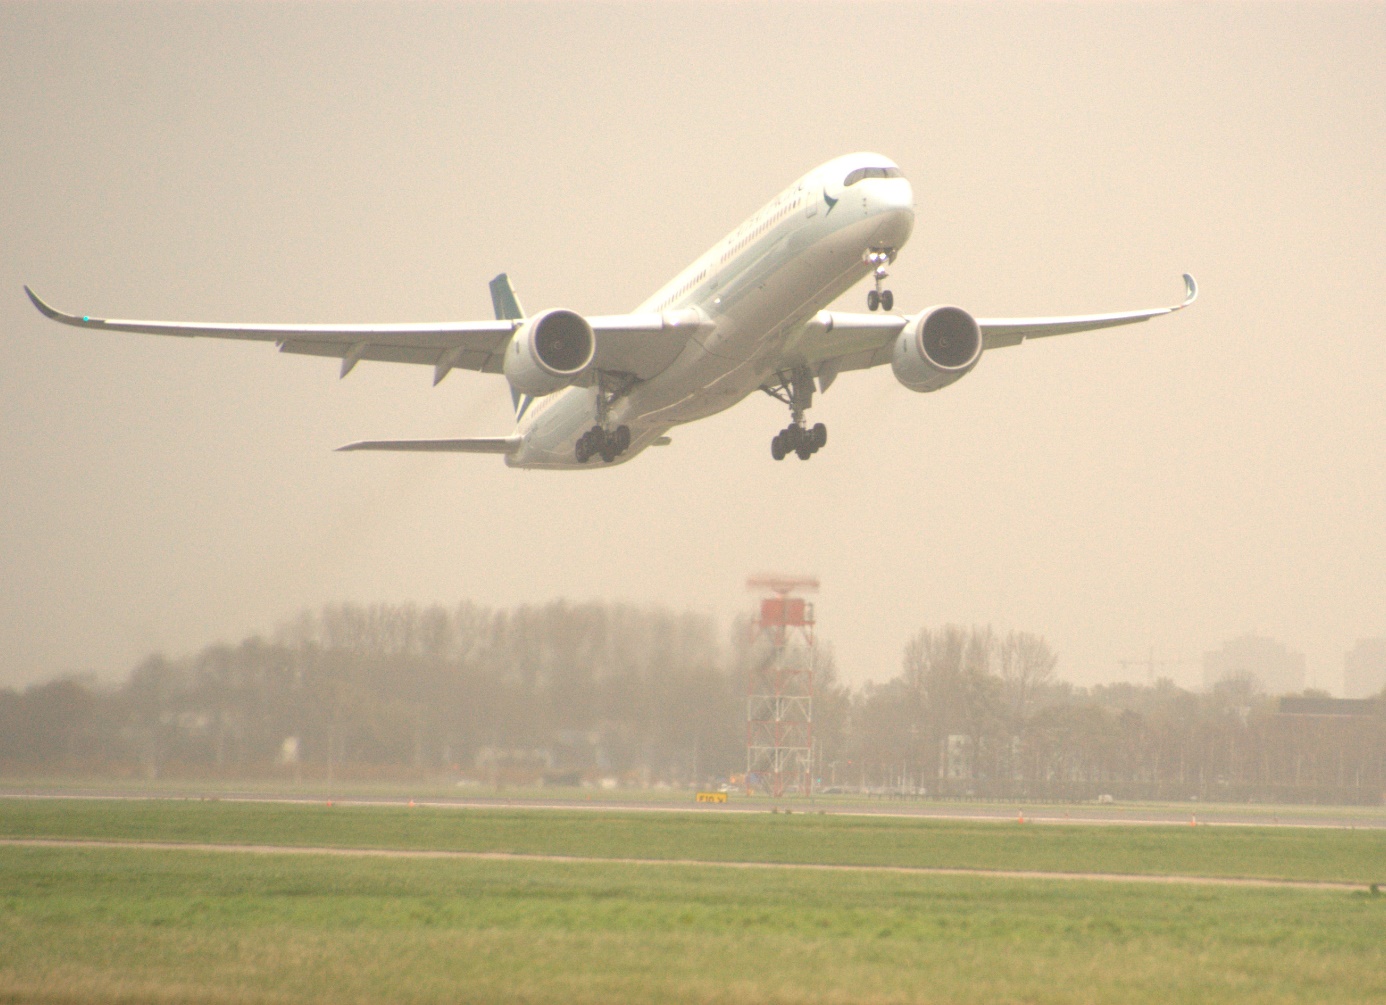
{"x":1190,"y":291}
{"x":998,"y":332}
{"x":53,"y":312}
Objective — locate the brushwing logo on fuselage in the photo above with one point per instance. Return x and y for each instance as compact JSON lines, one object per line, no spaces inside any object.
{"x":830,"y":201}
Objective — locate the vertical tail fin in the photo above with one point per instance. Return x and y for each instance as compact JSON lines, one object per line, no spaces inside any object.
{"x":508,"y":308}
{"x":503,"y":299}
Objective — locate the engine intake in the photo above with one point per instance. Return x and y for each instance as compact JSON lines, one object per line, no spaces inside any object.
{"x":549,"y":351}
{"x":935,"y":348}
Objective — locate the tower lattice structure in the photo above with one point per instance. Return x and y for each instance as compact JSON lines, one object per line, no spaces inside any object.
{"x":779,"y":689}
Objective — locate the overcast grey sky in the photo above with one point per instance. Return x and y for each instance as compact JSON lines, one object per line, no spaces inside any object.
{"x":1172,"y":484}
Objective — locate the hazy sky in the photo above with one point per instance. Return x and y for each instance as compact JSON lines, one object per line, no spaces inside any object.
{"x":1172,"y":484}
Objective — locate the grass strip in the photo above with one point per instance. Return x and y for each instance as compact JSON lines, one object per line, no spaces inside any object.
{"x":126,"y":925}
{"x":1244,"y":852}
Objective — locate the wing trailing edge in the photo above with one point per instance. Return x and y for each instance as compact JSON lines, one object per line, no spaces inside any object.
{"x":1000,"y":332}
{"x":475,"y":445}
{"x":639,"y":345}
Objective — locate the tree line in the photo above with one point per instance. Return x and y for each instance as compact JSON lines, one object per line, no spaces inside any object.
{"x":575,"y":693}
{"x":977,"y":714}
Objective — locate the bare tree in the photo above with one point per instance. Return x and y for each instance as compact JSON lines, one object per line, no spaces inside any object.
{"x":1025,"y":664}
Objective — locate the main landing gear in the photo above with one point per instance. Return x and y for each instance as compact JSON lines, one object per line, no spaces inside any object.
{"x":608,"y":444}
{"x":878,"y":297}
{"x":799,"y":439}
{"x":796,"y":391}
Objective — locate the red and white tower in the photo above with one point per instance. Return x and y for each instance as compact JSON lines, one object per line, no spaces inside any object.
{"x":779,"y":689}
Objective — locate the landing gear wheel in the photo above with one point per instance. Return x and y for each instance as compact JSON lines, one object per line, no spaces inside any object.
{"x":887,"y":300}
{"x":873,"y":300}
{"x":796,"y":439}
{"x":589,"y":444}
{"x":598,"y":441}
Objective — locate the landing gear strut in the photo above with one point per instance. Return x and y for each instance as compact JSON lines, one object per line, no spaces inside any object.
{"x":878,"y":297}
{"x":796,"y":391}
{"x":599,"y":441}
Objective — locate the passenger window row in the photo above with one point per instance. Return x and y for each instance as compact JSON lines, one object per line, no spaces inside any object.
{"x":779,"y":214}
{"x":685,"y":289}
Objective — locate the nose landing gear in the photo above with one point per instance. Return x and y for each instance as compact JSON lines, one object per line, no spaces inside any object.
{"x":608,"y":444}
{"x":878,"y":297}
{"x":796,"y":391}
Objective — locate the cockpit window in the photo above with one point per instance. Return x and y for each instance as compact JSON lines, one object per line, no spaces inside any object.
{"x":860,"y":173}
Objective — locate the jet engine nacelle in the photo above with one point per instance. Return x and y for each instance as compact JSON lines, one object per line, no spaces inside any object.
{"x":936,"y":348}
{"x":548,"y":352}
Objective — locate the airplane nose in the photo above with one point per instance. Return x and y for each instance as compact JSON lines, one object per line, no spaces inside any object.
{"x":897,"y":196}
{"x":893,"y":205}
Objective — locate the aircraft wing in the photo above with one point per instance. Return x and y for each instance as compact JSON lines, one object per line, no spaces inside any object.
{"x":476,"y":445}
{"x":834,"y":341}
{"x":638,"y":344}
{"x":998,"y":332}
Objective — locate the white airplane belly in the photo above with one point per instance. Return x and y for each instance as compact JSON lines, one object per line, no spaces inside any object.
{"x":755,"y":314}
{"x":758,"y":320}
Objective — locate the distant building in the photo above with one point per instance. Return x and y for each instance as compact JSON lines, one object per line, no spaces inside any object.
{"x":1364,"y":669}
{"x":1266,"y":662}
{"x":1292,"y":704}
{"x":957,"y":757}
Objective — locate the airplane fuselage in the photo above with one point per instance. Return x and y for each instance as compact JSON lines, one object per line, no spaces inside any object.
{"x":755,"y":289}
{"x":748,"y":314}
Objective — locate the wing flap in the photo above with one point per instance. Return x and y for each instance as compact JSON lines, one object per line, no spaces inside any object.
{"x":466,"y":360}
{"x":863,"y":360}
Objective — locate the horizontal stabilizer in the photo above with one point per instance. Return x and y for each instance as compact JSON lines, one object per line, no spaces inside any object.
{"x":476,"y":445}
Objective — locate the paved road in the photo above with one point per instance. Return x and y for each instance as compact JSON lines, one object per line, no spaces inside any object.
{"x":495,"y":856}
{"x":1077,"y":813}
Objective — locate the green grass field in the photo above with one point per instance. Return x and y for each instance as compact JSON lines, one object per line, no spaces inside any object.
{"x":130,"y":925}
{"x":712,"y":835}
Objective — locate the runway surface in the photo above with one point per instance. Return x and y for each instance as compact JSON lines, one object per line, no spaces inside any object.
{"x":490,"y":856}
{"x":1115,"y":814}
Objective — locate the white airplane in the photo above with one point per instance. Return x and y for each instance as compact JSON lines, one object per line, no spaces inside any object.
{"x":750,"y":314}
